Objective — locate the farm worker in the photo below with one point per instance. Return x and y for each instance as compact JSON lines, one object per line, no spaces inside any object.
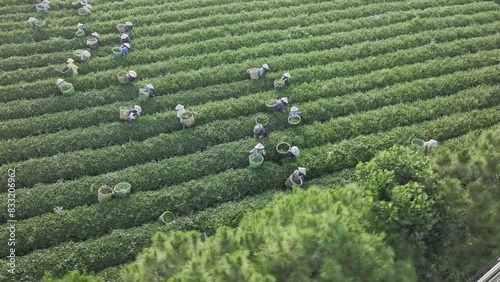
{"x":85,"y":56}
{"x":124,"y":38}
{"x":134,"y":112}
{"x":293,"y":152}
{"x":87,"y":8}
{"x":125,"y":47}
{"x":180,"y":110}
{"x":128,"y":26}
{"x":80,"y":27}
{"x":46,"y":6}
{"x":95,"y":36}
{"x":259,"y":131}
{"x":259,"y":149}
{"x":72,"y":66}
{"x":262,"y":70}
{"x":294,"y":111}
{"x":83,"y":2}
{"x":32,"y":21}
{"x":131,"y":75}
{"x":280,"y":104}
{"x":285,"y":78}
{"x":300,"y":172}
{"x":149,"y":88}
{"x":431,"y":144}
{"x":61,"y":83}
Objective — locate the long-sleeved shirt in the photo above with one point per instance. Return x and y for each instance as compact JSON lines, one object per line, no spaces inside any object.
{"x":150,"y":91}
{"x":285,"y":80}
{"x":262,"y":72}
{"x":180,"y":113}
{"x":280,"y":105}
{"x":294,"y":113}
{"x":124,"y":50}
{"x":129,"y":79}
{"x":125,"y":40}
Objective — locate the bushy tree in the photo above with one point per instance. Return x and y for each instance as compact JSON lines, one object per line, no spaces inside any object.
{"x":417,"y":209}
{"x":309,"y":235}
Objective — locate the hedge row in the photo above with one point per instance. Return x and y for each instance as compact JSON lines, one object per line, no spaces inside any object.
{"x":177,"y":82}
{"x":55,"y":122}
{"x":236,"y":54}
{"x":208,"y":135}
{"x":30,"y":108}
{"x":122,"y":246}
{"x":38,"y":60}
{"x":32,"y":231}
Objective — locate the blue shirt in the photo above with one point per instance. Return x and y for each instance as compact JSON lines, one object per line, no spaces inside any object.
{"x":296,"y":113}
{"x":280,"y":105}
{"x":262,"y":72}
{"x":124,"y":50}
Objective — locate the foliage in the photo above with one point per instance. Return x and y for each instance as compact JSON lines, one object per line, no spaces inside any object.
{"x":418,"y":210}
{"x":281,"y":242}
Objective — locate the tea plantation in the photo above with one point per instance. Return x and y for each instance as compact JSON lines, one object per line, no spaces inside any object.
{"x":366,"y":75}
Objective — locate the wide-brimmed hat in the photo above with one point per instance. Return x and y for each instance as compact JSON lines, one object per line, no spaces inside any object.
{"x":69,"y":60}
{"x":179,"y":107}
{"x":95,"y":34}
{"x":150,"y":86}
{"x":59,"y":81}
{"x":138,"y":109}
{"x":287,"y":75}
{"x":295,"y":151}
{"x":259,"y":146}
{"x":284,"y":99}
{"x":257,"y":128}
{"x":294,"y":109}
{"x":79,"y":25}
{"x":31,"y":19}
{"x":126,"y":45}
{"x":86,"y":53}
{"x":124,"y":36}
{"x":266,"y":66}
{"x":132,"y":73}
{"x":302,"y":170}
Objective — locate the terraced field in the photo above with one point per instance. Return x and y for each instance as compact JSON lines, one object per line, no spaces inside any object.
{"x":365,"y":74}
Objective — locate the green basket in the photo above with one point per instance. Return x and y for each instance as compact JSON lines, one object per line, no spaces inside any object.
{"x":78,"y":54}
{"x":294,"y":119}
{"x":293,"y":180}
{"x":166,"y":218}
{"x":255,"y":160}
{"x":40,"y":8}
{"x":68,"y":90}
{"x":122,"y":189}
{"x":282,"y":148}
{"x":82,"y":12}
{"x":39,"y":24}
{"x":143,"y":95}
{"x":279,"y":84}
{"x":80,"y":33}
{"x":121,"y":28}
{"x":418,"y":142}
{"x":122,"y":77}
{"x":187,"y":121}
{"x":117,"y":51}
{"x":124,"y":112}
{"x":261,"y":119}
{"x":253,"y":72}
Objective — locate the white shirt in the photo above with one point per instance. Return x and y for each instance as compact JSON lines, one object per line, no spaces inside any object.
{"x":180,"y":113}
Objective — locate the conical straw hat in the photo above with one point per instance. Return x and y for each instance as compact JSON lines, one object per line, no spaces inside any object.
{"x":69,"y":60}
{"x":294,"y":109}
{"x":59,"y":81}
{"x":284,"y":99}
{"x":259,"y":146}
{"x":179,"y":107}
{"x":295,"y":151}
{"x":302,"y":170}
{"x":132,"y":73}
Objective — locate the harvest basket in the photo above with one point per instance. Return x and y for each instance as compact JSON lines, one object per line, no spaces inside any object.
{"x":85,"y":56}
{"x":294,"y":119}
{"x":78,"y":54}
{"x":104,"y":194}
{"x":187,"y":119}
{"x":122,"y":189}
{"x":67,"y":71}
{"x":117,"y":51}
{"x":293,"y":180}
{"x":166,"y":218}
{"x":418,"y":142}
{"x":68,"y":90}
{"x":271,"y":105}
{"x":143,"y":95}
{"x":40,"y":8}
{"x":255,"y":160}
{"x":121,"y":28}
{"x":279,"y":84}
{"x":261,"y":119}
{"x":83,"y":12}
{"x":124,"y":111}
{"x":253,"y":72}
{"x":282,"y":147}
{"x":122,"y":77}
{"x":92,"y":43}
{"x":39,"y":23}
